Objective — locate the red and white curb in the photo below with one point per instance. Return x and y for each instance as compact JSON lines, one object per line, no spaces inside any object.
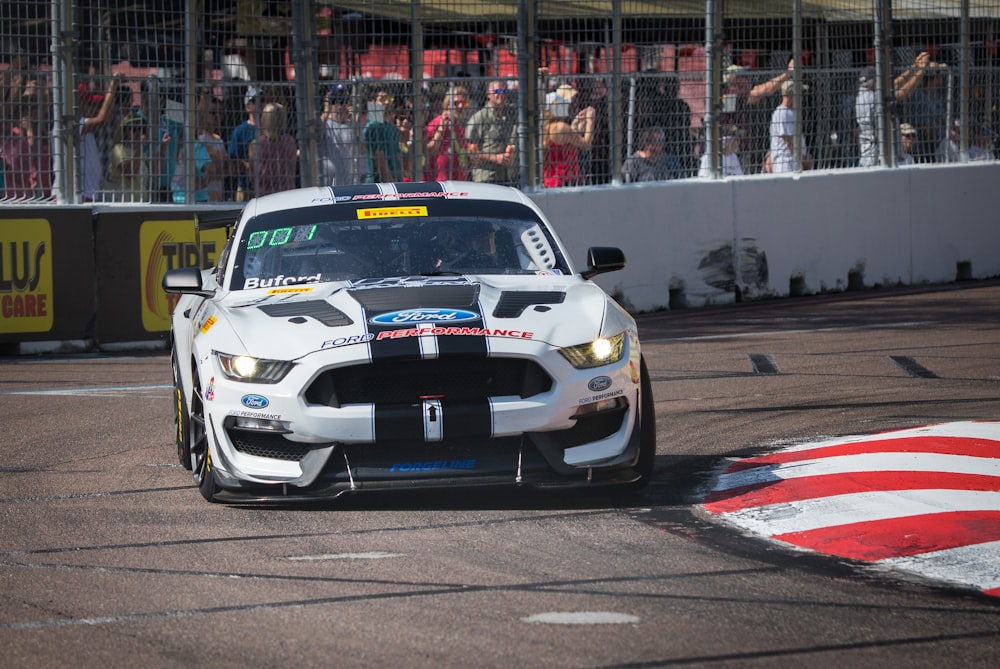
{"x":924,"y":500}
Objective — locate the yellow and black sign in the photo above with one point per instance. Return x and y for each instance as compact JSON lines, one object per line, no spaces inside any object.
{"x":390,"y":212}
{"x":166,"y":245}
{"x":134,"y":249}
{"x":27,"y":301}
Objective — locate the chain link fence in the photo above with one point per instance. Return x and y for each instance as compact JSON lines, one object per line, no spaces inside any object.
{"x":189,"y":101}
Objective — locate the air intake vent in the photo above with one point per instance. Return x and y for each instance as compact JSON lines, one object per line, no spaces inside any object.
{"x":513,"y":303}
{"x":321,"y":310}
{"x":399,"y":297}
{"x":268,"y":445}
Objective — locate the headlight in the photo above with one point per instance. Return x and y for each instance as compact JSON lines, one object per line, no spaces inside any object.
{"x":252,"y":370}
{"x":601,"y":351}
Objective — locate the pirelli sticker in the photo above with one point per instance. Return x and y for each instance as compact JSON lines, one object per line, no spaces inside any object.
{"x":390,"y":212}
{"x":282,"y":291}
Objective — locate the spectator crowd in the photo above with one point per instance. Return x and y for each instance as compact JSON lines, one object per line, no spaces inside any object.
{"x":132,"y":144}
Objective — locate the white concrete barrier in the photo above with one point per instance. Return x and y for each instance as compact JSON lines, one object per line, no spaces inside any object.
{"x":698,"y":242}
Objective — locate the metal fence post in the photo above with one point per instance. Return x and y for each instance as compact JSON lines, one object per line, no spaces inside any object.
{"x":64,"y":124}
{"x":713,"y":95}
{"x":797,"y":143}
{"x":306,"y":87}
{"x":527,"y":110}
{"x":885,"y":93}
{"x":615,"y":92}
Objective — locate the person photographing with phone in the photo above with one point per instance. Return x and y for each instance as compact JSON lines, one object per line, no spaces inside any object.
{"x":382,"y":140}
{"x":447,"y":150}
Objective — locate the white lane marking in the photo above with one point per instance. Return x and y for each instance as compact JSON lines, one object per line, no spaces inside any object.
{"x":811,"y":514}
{"x":731,"y":335}
{"x":863,"y":462}
{"x":375,"y":555}
{"x":581,"y":618}
{"x":974,"y":565}
{"x":105,"y":391}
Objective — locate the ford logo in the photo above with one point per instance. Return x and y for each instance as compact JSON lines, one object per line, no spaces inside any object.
{"x":408,"y":316}
{"x":254,"y":401}
{"x":599,"y":383}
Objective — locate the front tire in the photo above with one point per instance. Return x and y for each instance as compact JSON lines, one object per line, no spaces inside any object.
{"x":182,"y":419}
{"x":646,"y":457}
{"x":205,"y":477}
{"x":199,"y":452}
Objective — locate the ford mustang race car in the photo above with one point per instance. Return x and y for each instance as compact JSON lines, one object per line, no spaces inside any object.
{"x":405,"y":335}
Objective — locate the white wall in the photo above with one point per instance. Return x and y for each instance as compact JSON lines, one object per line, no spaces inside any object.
{"x":891,"y":226}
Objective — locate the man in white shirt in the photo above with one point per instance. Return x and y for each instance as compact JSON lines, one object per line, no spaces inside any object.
{"x":908,"y":141}
{"x":731,"y":166}
{"x":338,"y":143}
{"x":782,"y":158}
{"x":864,"y":115}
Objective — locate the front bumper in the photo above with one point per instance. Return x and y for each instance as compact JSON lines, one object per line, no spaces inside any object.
{"x":578,"y":429}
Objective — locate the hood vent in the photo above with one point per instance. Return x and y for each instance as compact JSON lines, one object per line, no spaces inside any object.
{"x":513,"y":303}
{"x":403,"y":297}
{"x":321,"y":310}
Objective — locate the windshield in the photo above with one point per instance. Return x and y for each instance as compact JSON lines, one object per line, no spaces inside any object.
{"x":343,"y":242}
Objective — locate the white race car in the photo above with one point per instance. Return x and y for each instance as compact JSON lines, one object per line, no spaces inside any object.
{"x":404,"y":335}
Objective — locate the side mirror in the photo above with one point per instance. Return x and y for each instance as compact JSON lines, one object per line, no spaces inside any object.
{"x":185,"y":280}
{"x":601,"y":259}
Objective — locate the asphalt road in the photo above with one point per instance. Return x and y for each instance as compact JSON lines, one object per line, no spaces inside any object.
{"x":108,"y":556}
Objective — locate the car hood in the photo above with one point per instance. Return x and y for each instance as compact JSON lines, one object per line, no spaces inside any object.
{"x":290,"y":322}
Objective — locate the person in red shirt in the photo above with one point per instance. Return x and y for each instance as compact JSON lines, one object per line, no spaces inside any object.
{"x":447,"y":150}
{"x":564,"y":136}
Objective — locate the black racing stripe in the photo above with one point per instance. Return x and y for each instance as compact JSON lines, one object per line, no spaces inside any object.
{"x":448,"y":295}
{"x":376,"y":301}
{"x":476,"y":345}
{"x":355,"y":189}
{"x":399,"y":421}
{"x":466,"y":419}
{"x":419,"y":187}
{"x":389,"y":348}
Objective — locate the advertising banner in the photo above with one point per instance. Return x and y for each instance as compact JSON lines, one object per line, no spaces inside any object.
{"x":134,"y":250}
{"x":46,"y":274}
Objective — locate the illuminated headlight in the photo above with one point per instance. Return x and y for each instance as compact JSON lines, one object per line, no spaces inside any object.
{"x":253,"y":370}
{"x":601,"y":351}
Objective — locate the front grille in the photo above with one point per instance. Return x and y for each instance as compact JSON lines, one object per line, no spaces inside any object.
{"x":461,"y":378}
{"x":268,"y":445}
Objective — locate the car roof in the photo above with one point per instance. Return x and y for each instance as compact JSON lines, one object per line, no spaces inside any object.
{"x":388,"y":192}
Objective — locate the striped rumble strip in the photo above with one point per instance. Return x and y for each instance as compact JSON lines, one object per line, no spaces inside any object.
{"x":923,"y":500}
